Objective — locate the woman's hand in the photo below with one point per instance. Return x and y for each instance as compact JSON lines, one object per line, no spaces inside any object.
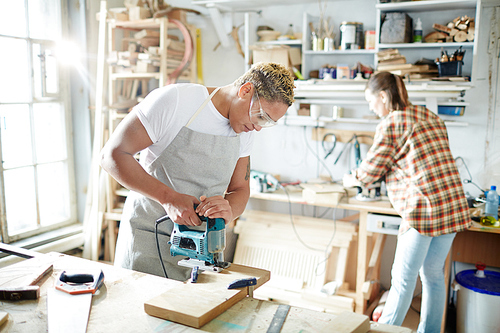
{"x":215,"y":207}
{"x":350,"y":181}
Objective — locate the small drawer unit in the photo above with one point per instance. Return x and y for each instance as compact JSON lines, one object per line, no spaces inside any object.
{"x":383,"y":224}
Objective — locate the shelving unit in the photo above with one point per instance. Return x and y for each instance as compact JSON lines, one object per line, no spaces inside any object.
{"x":434,"y":11}
{"x":127,"y":87}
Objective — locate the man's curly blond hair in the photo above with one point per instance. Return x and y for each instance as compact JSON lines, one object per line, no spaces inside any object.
{"x":273,"y":82}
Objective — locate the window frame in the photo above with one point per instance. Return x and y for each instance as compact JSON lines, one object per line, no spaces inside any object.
{"x":63,"y":97}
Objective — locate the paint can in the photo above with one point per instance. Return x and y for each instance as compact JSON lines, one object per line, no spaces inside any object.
{"x":351,"y":35}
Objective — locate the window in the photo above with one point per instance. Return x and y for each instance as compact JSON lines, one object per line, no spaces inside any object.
{"x":36,"y":175}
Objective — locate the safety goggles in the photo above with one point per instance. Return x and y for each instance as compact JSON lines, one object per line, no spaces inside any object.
{"x":260,"y":117}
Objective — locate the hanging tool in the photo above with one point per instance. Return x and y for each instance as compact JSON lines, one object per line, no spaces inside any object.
{"x":372,"y":189}
{"x":69,"y":303}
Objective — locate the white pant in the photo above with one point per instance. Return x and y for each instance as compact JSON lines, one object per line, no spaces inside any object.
{"x":424,"y":255}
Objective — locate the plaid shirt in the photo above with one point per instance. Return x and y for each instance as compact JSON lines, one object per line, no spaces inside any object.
{"x":411,"y":150}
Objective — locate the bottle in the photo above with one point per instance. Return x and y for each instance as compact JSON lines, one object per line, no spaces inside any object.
{"x":289,"y":33}
{"x":417,"y":33}
{"x":491,"y":208}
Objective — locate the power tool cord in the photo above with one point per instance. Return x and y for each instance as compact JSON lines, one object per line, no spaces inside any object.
{"x":160,"y":220}
{"x":317,"y":157}
{"x":467,"y":180}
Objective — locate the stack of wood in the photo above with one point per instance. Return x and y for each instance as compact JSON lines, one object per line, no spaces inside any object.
{"x":461,"y":29}
{"x":391,"y":60}
{"x":142,"y":53}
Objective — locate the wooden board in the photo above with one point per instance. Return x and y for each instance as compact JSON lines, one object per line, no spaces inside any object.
{"x":195,"y":304}
{"x":20,"y":281}
{"x":3,"y":317}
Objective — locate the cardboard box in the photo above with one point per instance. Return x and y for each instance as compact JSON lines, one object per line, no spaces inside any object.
{"x":281,"y":54}
{"x":138,"y":13}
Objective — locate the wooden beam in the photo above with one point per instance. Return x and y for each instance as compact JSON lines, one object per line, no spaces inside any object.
{"x":343,"y":136}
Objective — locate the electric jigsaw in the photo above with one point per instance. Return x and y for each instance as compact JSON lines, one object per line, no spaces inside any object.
{"x":204,"y":248}
{"x":373,"y":190}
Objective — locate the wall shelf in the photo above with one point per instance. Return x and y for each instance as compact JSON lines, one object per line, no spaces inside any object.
{"x":425,"y":45}
{"x":293,"y":120}
{"x":429,"y":5}
{"x":339,"y":52}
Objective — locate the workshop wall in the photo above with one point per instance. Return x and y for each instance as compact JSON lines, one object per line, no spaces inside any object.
{"x":288,"y":150}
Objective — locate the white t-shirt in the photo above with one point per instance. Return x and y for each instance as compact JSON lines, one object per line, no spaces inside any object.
{"x":167,"y":109}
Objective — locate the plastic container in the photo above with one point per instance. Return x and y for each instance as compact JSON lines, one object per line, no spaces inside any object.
{"x":478,"y":301}
{"x":450,"y":68}
{"x":491,"y":207}
{"x":417,"y":33}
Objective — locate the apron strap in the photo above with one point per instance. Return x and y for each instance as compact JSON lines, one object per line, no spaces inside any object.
{"x":202,"y":106}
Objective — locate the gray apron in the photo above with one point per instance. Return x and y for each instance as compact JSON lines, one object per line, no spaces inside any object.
{"x":195,"y":164}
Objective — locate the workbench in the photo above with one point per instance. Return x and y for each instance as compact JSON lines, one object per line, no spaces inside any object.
{"x":119,"y":307}
{"x":364,"y":252}
{"x":477,"y":244}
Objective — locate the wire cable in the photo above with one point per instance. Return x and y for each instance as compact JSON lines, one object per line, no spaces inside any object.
{"x":160,"y":220}
{"x":317,"y":157}
{"x":328,"y":152}
{"x":468,"y":180}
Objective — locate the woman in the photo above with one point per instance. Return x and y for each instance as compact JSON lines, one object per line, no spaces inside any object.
{"x":423,"y":184}
{"x":195,"y":144}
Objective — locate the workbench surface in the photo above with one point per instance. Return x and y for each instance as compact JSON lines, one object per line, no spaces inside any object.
{"x":119,"y":307}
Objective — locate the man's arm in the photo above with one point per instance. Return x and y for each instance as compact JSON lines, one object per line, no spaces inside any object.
{"x":117,"y":158}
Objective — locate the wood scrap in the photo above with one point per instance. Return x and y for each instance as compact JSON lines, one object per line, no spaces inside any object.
{"x":3,"y":317}
{"x":21,"y":281}
{"x":234,"y":34}
{"x":460,"y":30}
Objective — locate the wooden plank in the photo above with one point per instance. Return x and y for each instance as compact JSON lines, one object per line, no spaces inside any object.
{"x":350,"y":322}
{"x":18,"y":251}
{"x":20,"y":281}
{"x":195,"y":304}
{"x":3,"y":317}
{"x":374,"y":263}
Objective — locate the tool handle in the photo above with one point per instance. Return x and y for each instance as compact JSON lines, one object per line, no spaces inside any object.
{"x":245,"y":282}
{"x":80,"y":283}
{"x":76,"y":278}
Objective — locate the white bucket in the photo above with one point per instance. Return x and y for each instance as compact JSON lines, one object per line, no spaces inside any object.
{"x":478,"y":302}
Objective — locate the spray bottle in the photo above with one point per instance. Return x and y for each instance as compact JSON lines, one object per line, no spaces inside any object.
{"x":417,"y":33}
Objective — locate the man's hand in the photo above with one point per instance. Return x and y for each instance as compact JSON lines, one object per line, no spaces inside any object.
{"x":181,"y":210}
{"x":350,"y":181}
{"x":215,"y":207}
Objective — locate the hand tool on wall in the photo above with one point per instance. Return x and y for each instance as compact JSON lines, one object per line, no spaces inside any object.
{"x":69,"y":303}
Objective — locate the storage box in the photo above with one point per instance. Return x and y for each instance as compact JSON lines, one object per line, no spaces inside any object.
{"x":281,"y":54}
{"x":451,"y":110}
{"x":450,"y":68}
{"x":138,"y":13}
